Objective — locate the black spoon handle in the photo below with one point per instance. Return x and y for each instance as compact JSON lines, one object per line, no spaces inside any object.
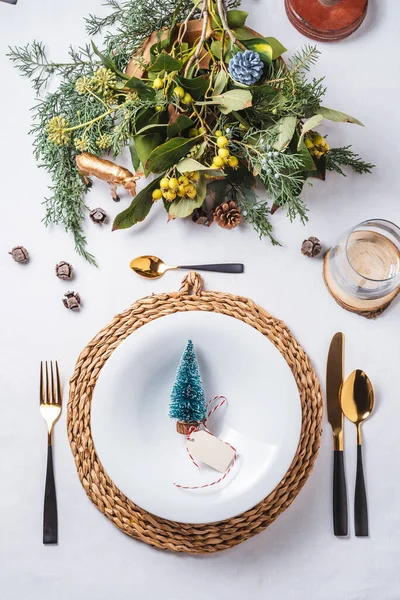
{"x":50,"y":521}
{"x":360,"y":499}
{"x":221,"y":268}
{"x":340,"y":525}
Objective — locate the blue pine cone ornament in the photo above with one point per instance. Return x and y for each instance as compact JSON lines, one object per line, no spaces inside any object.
{"x":246,"y":67}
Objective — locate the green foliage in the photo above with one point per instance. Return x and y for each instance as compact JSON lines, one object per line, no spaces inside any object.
{"x":345,"y":157}
{"x":139,"y":208}
{"x":187,"y":396}
{"x":260,"y":46}
{"x":184,"y":207}
{"x":169,"y":112}
{"x":277,"y":48}
{"x":337,"y":116}
{"x":168,"y":154}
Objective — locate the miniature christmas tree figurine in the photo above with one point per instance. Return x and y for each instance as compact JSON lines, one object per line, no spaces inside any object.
{"x":187,"y":397}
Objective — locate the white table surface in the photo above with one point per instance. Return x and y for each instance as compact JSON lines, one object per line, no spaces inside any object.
{"x":297,"y":557}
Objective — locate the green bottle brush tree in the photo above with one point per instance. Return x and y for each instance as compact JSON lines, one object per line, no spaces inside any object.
{"x":188,"y":403}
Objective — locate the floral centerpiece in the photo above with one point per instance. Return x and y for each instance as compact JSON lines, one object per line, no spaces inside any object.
{"x":207,"y":106}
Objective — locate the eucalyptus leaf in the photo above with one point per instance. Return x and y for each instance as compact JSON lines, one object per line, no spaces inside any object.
{"x":190,"y":164}
{"x":216,"y":48}
{"x":169,"y":153}
{"x":196,"y":87}
{"x":260,"y":46}
{"x":236,"y":18}
{"x":165,"y":62}
{"x":221,"y":81}
{"x":179,"y":124}
{"x":134,"y":155}
{"x":151,"y":128}
{"x":185,"y":206}
{"x":201,"y":149}
{"x":277,"y":47}
{"x":145,"y":144}
{"x":337,"y":116}
{"x":308,"y":126}
{"x":243,"y":33}
{"x":231,"y":100}
{"x":285,"y":127}
{"x":139,"y":208}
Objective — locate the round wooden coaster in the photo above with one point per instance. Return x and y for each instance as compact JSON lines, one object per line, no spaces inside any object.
{"x":326,"y":20}
{"x":369,"y":309}
{"x":122,"y":512}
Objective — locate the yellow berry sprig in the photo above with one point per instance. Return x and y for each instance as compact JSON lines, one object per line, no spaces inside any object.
{"x":317,"y":145}
{"x":173,"y":187}
{"x":223,"y":156}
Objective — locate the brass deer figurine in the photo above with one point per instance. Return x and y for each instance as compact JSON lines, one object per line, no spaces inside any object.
{"x":91,"y":165}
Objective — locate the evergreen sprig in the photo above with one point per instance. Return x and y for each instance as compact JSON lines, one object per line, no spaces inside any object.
{"x":32,"y":61}
{"x":255,"y":212}
{"x":280,"y":172}
{"x":345,"y":157}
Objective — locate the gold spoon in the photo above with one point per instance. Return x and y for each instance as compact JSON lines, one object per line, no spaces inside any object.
{"x":153,"y":267}
{"x":357,"y":400}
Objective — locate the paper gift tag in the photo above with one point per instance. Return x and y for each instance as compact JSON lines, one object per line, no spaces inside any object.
{"x":210,"y":450}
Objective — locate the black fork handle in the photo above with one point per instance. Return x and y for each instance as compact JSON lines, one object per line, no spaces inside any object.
{"x":340,"y":527}
{"x":50,"y":520}
{"x":220,"y":268}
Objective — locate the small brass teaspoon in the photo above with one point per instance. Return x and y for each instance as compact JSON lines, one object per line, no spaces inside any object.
{"x":357,"y":400}
{"x":153,"y":267}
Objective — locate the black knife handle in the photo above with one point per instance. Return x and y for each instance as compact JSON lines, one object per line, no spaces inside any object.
{"x":360,"y":499}
{"x":340,"y":524}
{"x":220,"y":268}
{"x":50,"y":521}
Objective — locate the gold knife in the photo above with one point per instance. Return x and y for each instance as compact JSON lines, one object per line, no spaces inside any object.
{"x":334,"y":381}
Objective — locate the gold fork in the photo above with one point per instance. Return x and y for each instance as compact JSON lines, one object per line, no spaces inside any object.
{"x":50,"y":409}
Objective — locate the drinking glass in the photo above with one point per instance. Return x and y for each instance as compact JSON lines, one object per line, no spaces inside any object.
{"x":365,"y":263}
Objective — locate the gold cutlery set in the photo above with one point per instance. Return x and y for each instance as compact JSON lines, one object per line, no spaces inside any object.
{"x":353,"y":398}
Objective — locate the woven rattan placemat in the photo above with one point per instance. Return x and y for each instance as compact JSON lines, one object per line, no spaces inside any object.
{"x":135,"y":521}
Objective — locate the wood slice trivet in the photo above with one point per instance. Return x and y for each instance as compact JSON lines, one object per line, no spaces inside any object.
{"x":133,"y":520}
{"x":370,"y":309}
{"x":326,"y":20}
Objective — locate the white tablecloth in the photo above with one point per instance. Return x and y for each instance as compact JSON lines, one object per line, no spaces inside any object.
{"x":298,"y":557}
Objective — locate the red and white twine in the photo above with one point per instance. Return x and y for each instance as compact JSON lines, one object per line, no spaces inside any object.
{"x":205,"y":428}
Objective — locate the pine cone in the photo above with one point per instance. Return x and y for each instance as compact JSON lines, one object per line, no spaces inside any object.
{"x":246,"y":67}
{"x":227,"y":215}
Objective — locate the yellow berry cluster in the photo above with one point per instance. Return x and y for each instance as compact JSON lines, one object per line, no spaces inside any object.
{"x":172,"y":187}
{"x":317,"y":145}
{"x":223,"y":156}
{"x":184,"y":97}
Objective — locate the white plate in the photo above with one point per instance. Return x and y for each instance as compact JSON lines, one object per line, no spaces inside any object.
{"x":137,"y":442}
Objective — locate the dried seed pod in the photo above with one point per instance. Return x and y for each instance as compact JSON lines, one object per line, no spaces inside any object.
{"x":20,"y":254}
{"x":98,"y":215}
{"x":72,"y":300}
{"x":201,"y":217}
{"x":64,"y":270}
{"x":311,"y":247}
